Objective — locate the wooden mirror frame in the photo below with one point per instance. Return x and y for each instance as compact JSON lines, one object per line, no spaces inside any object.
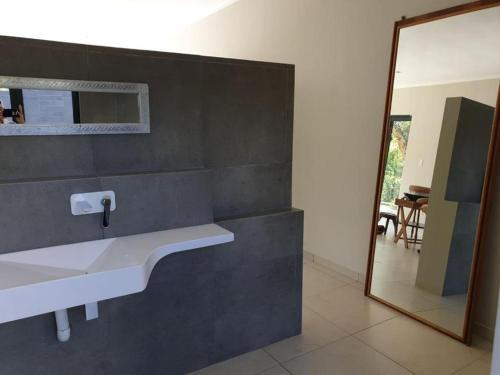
{"x":488,"y":179}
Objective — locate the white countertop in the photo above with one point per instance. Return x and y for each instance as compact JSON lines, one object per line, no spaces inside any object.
{"x":43,"y":280}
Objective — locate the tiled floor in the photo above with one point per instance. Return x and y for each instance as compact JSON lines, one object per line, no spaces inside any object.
{"x":346,"y":333}
{"x":394,"y":275}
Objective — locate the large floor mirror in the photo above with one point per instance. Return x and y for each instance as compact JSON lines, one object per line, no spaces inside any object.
{"x":436,"y":163}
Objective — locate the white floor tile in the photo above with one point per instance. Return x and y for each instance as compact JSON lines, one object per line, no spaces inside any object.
{"x":479,"y":367}
{"x":247,"y":364}
{"x":349,"y":309}
{"x":418,"y":348}
{"x":278,"y":370}
{"x":316,"y":282}
{"x":332,"y":273}
{"x":448,"y":318}
{"x":394,"y":280}
{"x":316,"y":332}
{"x":347,"y":356}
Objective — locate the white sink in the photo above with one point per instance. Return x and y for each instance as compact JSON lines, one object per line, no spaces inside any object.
{"x":39,"y":281}
{"x":78,"y":256}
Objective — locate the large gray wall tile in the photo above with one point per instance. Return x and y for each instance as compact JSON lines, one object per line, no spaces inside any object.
{"x":33,"y":157}
{"x":258,"y":282}
{"x":247,"y":114}
{"x":43,"y":59}
{"x":158,"y":201}
{"x":461,"y":249}
{"x":169,"y":325}
{"x":175,"y":142}
{"x":257,"y":304}
{"x":253,"y":188}
{"x":45,"y":157}
{"x":470,"y":152}
{"x":260,"y":238}
{"x":38,"y":214}
{"x":34,"y":349}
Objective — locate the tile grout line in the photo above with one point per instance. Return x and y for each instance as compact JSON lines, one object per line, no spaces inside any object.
{"x":349,"y":333}
{"x":282,"y":364}
{"x":353,"y":335}
{"x":330,"y":290}
{"x":270,"y":355}
{"x":326,"y":270}
{"x":284,"y":368}
{"x":318,"y":266}
{"x":376,"y":324}
{"x":313,"y":350}
{"x":384,"y":355}
{"x":326,"y":291}
{"x":467,"y":365}
{"x":342,"y":278}
{"x":277,"y":364}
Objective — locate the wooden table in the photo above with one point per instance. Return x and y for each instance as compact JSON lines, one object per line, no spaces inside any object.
{"x":414,"y":213}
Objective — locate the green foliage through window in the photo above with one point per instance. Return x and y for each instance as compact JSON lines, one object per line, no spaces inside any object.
{"x":395,"y":161}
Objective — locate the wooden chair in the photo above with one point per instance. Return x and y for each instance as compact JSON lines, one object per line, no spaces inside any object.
{"x":412,"y":220}
{"x":389,"y":216}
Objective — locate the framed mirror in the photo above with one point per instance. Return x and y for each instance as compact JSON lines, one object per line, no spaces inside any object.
{"x":39,"y":106}
{"x":437,"y":152}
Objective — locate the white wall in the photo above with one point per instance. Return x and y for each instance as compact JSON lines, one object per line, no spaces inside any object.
{"x":495,"y":365}
{"x":426,"y":106}
{"x":341,"y":50}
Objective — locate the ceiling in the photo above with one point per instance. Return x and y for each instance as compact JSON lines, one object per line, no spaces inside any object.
{"x":141,"y":24}
{"x":455,"y":49}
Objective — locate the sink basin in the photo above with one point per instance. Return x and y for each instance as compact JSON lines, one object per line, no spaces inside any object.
{"x":43,"y":280}
{"x":78,"y":256}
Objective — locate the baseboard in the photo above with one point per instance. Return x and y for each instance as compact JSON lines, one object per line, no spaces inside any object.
{"x":309,"y":257}
{"x":483,"y":331}
{"x":313,"y":258}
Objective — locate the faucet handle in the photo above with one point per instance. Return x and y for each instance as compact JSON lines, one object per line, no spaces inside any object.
{"x":93,"y":202}
{"x":106,"y":202}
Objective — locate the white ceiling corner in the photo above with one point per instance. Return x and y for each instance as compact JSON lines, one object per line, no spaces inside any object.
{"x":140,"y":24}
{"x":455,"y":49}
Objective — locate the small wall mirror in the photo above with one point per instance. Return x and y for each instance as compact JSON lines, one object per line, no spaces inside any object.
{"x":436,"y":159}
{"x":36,"y":106}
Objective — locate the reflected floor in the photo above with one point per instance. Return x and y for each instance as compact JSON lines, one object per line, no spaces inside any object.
{"x":394,"y":274}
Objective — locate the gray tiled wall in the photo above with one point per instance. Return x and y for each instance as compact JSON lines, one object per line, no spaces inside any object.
{"x":247,"y":113}
{"x":200,"y":307}
{"x":37,"y":213}
{"x":220,"y":149}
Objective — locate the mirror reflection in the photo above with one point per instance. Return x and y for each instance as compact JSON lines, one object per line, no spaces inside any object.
{"x":46,"y":106}
{"x":439,"y":136}
{"x":60,"y":107}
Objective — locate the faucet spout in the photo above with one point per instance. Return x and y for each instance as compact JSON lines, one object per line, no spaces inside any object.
{"x":106,"y":202}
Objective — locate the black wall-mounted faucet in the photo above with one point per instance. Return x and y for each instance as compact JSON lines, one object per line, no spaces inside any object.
{"x":106,"y":202}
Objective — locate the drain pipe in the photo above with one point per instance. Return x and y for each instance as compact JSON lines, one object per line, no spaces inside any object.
{"x":62,"y":323}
